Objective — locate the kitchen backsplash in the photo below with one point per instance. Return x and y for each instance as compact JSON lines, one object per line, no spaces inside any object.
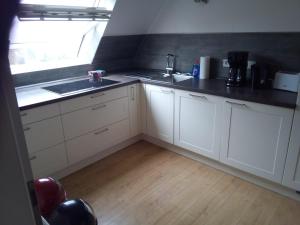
{"x":280,"y":50}
{"x":116,"y":53}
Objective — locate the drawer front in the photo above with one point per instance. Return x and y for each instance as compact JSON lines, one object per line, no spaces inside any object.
{"x":43,"y":134}
{"x":85,"y":120}
{"x":39,"y":113}
{"x":92,"y":143}
{"x":46,"y":162}
{"x":86,"y":101}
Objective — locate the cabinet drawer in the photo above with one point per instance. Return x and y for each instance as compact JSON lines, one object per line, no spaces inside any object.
{"x":39,"y":113}
{"x":46,"y":162}
{"x":90,"y":144}
{"x":43,"y":134}
{"x":89,"y":100}
{"x":91,"y":118}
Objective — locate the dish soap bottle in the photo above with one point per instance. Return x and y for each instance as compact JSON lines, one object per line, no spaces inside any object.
{"x":196,"y":69}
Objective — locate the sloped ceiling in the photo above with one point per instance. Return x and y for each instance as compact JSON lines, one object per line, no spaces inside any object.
{"x":133,"y":17}
{"x":186,"y":16}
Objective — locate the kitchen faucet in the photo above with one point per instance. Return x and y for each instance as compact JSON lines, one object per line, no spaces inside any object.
{"x":170,"y":65}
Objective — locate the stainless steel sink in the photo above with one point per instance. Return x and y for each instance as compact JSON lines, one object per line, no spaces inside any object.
{"x":174,"y":78}
{"x":80,"y":85}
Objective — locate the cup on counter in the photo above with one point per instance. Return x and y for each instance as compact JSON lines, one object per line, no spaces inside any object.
{"x":96,"y":75}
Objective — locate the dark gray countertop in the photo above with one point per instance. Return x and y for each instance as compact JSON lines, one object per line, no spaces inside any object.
{"x":33,"y":96}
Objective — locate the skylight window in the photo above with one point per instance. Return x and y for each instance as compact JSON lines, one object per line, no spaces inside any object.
{"x":40,"y":45}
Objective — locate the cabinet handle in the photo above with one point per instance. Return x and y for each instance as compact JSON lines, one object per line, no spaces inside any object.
{"x":198,"y":96}
{"x":96,"y":96}
{"x":101,"y":131}
{"x":132,"y":93}
{"x":98,"y":107}
{"x":166,"y":92}
{"x":23,"y":114}
{"x":32,"y":158}
{"x":27,"y":129}
{"x":238,"y":104}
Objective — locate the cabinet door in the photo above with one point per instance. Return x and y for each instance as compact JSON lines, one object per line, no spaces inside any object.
{"x":43,"y":134}
{"x":256,"y":138}
{"x":198,"y":122}
{"x":291,"y":176}
{"x":160,"y":112}
{"x":134,"y":109}
{"x":48,"y":161}
{"x":85,"y":146}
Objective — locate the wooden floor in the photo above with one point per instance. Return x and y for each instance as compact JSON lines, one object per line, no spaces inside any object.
{"x":145,"y":184}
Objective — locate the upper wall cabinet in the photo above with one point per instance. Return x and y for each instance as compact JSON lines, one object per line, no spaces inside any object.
{"x":255,"y":138}
{"x":198,"y":122}
{"x":291,"y":176}
{"x":160,"y":112}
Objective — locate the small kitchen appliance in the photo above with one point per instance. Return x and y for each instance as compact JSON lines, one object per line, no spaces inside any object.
{"x":286,"y":81}
{"x":261,"y":77}
{"x":238,"y":63}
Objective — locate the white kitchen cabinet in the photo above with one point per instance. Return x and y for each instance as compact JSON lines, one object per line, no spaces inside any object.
{"x":198,"y":122}
{"x":134,"y":109}
{"x":88,"y":119}
{"x":43,"y":134}
{"x":160,"y":112}
{"x":85,"y":146}
{"x":39,"y":113}
{"x":93,"y":99}
{"x":291,"y":176}
{"x":48,"y":161}
{"x":255,"y":138}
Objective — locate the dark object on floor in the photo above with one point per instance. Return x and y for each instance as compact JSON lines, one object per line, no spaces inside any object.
{"x":50,"y":194}
{"x":73,"y":212}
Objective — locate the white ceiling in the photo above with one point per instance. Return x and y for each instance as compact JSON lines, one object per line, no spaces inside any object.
{"x":186,"y":16}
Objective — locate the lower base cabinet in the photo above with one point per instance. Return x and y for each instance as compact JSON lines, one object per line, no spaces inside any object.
{"x":160,"y":113}
{"x":48,"y":161}
{"x":256,"y":138}
{"x":198,"y":122}
{"x":94,"y":142}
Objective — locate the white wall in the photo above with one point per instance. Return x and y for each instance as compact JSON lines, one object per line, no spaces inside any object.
{"x":132,"y":17}
{"x":186,"y":16}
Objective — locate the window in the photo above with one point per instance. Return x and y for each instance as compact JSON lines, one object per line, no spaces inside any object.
{"x":40,"y":45}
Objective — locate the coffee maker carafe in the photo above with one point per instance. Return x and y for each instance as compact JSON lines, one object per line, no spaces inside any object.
{"x":238,"y":63}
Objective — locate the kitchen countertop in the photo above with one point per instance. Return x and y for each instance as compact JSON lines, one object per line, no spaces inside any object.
{"x":33,"y":95}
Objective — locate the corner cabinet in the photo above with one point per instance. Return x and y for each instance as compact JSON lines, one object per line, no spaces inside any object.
{"x":160,"y":112}
{"x":255,"y":138}
{"x":198,"y":120}
{"x":291,"y":176}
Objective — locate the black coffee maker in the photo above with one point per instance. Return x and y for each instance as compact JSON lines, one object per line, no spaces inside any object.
{"x":238,"y":63}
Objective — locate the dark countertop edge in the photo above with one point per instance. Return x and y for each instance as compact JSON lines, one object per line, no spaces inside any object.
{"x":221,"y":94}
{"x":63,"y":98}
{"x":163,"y":84}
